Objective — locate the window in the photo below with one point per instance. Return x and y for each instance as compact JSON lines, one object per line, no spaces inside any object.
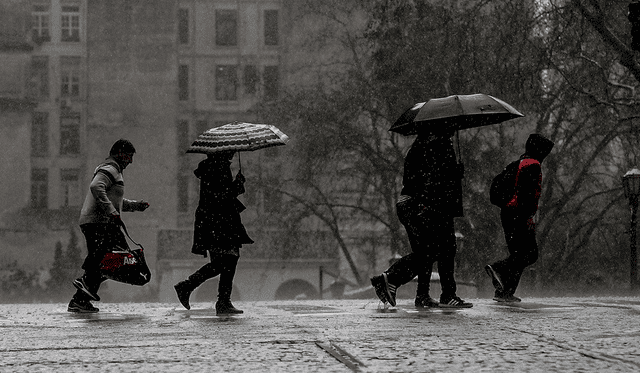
{"x":183,"y":136}
{"x":226,"y":27}
{"x":201,"y":126}
{"x":183,"y":193}
{"x":183,"y":82}
{"x":39,"y":186}
{"x":40,"y":23}
{"x":271,"y":82}
{"x":251,"y":79}
{"x":70,"y":134}
{"x":40,"y":134}
{"x":38,"y":85}
{"x":69,"y":187}
{"x":70,"y":75}
{"x":183,"y":26}
{"x":70,"y":23}
{"x":270,"y":27}
{"x":226,"y":83}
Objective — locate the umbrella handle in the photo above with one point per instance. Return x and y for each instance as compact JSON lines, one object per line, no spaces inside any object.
{"x":459,"y":164}
{"x":239,"y":163}
{"x":458,"y":141}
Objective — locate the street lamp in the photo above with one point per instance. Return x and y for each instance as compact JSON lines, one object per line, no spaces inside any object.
{"x":631,"y":185}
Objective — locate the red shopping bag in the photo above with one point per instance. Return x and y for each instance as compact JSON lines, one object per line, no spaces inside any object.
{"x":126,"y":265}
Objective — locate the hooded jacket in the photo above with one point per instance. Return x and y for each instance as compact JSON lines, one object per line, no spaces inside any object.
{"x":218,"y":225}
{"x":528,"y":181}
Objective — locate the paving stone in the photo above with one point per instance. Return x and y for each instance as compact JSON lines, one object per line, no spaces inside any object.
{"x":539,"y":335}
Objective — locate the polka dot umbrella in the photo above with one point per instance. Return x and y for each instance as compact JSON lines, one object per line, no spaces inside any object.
{"x":238,"y":136}
{"x":455,"y":112}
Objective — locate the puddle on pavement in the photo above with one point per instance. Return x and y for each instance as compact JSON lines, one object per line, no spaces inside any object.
{"x":305,"y":309}
{"x":207,"y":314}
{"x":102,"y":317}
{"x":533,"y":307}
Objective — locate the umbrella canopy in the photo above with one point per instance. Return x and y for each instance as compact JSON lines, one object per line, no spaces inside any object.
{"x":455,"y":112}
{"x":238,"y":136}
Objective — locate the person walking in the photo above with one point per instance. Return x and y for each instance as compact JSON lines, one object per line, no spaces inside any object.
{"x":430,"y":199}
{"x":100,"y":222}
{"x":517,"y":220}
{"x":218,"y":229}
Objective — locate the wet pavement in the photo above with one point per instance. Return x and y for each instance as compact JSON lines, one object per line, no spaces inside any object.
{"x":537,"y":335}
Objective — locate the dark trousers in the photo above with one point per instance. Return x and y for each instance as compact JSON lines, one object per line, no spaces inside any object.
{"x":221,"y":264}
{"x":432,"y":239}
{"x":100,"y":238}
{"x":520,"y":234}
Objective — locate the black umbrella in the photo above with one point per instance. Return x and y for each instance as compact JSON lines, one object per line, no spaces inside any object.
{"x":455,"y":112}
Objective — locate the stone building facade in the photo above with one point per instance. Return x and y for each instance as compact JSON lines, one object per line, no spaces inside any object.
{"x":88,"y":72}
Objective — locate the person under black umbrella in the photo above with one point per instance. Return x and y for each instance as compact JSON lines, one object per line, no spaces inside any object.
{"x":218,"y":229}
{"x":430,"y":198}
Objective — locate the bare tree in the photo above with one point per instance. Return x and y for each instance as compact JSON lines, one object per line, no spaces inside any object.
{"x":563,"y":65}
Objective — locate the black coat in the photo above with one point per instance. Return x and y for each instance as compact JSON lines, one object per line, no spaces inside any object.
{"x":217,"y":224}
{"x":432,"y":175}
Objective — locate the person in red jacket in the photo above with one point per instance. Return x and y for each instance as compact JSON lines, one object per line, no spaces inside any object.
{"x":517,"y":221}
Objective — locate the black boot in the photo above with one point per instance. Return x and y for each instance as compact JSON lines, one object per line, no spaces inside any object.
{"x":223,"y":305}
{"x":186,"y":287}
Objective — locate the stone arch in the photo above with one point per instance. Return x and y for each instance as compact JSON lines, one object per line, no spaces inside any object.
{"x":296,"y":289}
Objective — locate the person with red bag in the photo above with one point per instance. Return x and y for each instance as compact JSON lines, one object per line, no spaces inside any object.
{"x":100,"y":222}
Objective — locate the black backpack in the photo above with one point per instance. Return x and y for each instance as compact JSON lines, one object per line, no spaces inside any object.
{"x":503,"y":186}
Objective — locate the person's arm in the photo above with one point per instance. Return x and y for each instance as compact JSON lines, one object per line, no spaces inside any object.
{"x":131,"y":205}
{"x":528,"y":188}
{"x":238,"y":184}
{"x":99,"y":185}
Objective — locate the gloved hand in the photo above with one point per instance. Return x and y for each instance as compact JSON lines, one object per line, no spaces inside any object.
{"x":116,"y":219}
{"x":240,"y":177}
{"x":142,"y":205}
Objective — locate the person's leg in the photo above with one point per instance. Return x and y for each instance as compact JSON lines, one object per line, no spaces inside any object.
{"x":88,"y":284}
{"x":445,"y":243}
{"x":186,"y":287}
{"x":107,"y":237}
{"x":524,"y":256}
{"x":420,"y":261}
{"x":523,"y":251}
{"x":227,"y":272}
{"x":405,"y":269}
{"x":502,"y":269}
{"x":409,"y":266}
{"x":423,"y":299}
